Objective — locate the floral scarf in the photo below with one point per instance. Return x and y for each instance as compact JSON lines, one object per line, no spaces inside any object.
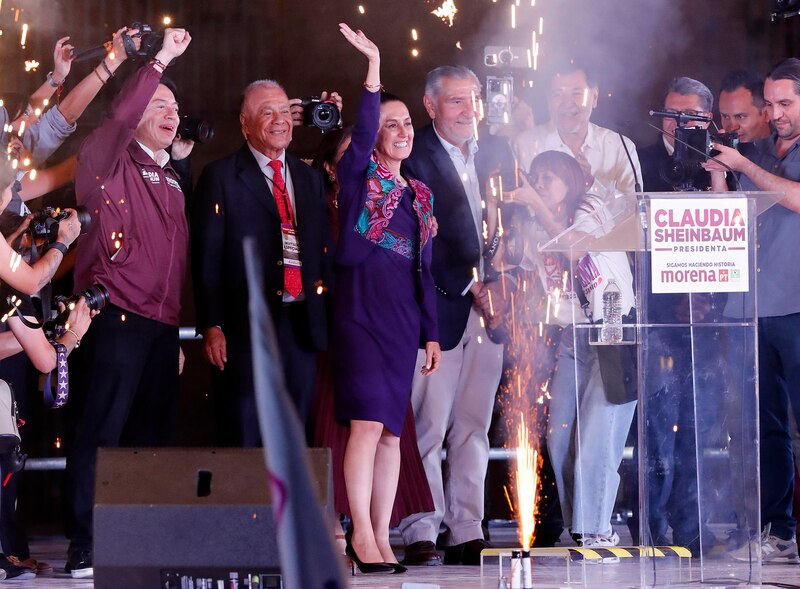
{"x":383,"y":196}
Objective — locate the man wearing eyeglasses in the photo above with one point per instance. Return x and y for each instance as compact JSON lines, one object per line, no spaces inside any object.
{"x":660,"y":171}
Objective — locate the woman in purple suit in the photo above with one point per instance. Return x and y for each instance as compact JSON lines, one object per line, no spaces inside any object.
{"x":384,"y":308}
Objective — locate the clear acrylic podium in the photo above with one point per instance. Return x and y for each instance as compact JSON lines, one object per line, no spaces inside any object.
{"x":688,"y":358}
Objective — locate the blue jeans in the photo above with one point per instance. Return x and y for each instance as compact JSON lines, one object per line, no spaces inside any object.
{"x":585,"y":437}
{"x":779,"y":389}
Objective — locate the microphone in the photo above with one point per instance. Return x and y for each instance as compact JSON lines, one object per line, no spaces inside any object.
{"x":681,"y":117}
{"x":637,"y":186}
{"x":693,"y":148}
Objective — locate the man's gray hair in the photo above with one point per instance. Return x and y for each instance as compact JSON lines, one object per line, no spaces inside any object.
{"x":687,"y":86}
{"x":433,"y":82}
{"x":253,"y":86}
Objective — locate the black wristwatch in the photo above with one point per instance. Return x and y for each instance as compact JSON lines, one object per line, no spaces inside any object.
{"x":57,"y":245}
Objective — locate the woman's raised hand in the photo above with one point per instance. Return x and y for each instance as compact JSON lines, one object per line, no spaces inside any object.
{"x":360,"y":41}
{"x":525,"y":194}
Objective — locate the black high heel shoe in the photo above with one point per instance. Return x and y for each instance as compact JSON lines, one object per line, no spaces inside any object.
{"x":367,"y":568}
{"x":398,"y":568}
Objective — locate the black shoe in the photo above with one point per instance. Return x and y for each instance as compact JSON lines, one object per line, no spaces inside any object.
{"x":368,"y":567}
{"x":422,"y":553}
{"x":468,"y":553}
{"x":12,"y":571}
{"x":79,"y":562}
{"x":398,"y":568}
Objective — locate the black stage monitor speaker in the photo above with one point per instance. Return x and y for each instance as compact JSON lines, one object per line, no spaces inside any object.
{"x":177,"y":518}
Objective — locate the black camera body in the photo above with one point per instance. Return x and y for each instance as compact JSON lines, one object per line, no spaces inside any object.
{"x":96,"y":297}
{"x":151,"y":42}
{"x":322,"y":114}
{"x":694,"y":144}
{"x":45,"y":225}
{"x":195,"y":129}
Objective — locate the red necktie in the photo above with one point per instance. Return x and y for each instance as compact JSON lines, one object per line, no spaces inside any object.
{"x":292,"y":280}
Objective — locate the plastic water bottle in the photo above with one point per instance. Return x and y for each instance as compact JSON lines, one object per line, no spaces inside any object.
{"x":611,"y":332}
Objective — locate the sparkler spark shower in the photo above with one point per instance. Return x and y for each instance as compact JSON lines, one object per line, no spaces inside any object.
{"x":447,"y":11}
{"x":526,"y":485}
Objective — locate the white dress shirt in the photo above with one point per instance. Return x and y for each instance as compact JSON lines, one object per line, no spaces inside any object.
{"x":269,"y":174}
{"x":602,"y":148}
{"x":263,"y":165}
{"x":465,"y":167}
{"x":161,"y":157}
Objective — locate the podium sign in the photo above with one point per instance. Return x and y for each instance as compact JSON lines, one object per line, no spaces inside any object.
{"x":694,"y":364}
{"x":699,"y":245}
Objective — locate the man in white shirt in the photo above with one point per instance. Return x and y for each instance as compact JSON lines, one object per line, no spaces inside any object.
{"x":571,"y":97}
{"x":588,"y":424}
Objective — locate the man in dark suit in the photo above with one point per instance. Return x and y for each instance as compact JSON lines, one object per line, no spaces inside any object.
{"x":660,"y":170}
{"x":454,"y":406}
{"x":262,"y":192}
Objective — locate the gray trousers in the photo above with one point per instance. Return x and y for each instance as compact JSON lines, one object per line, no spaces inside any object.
{"x":453,"y":408}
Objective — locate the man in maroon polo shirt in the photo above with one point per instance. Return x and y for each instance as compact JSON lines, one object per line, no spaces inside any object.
{"x":126,"y":380}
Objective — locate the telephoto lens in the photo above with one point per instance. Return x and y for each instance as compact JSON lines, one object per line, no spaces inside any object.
{"x":195,"y":129}
{"x":96,"y":297}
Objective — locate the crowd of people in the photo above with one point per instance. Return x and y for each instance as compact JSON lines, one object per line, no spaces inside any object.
{"x":393,"y":267}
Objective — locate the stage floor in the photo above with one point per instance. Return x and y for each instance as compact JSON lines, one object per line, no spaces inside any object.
{"x":549,"y":573}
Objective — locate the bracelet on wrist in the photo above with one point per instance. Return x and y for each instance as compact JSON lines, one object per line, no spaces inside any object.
{"x":99,"y":77}
{"x":57,"y":245}
{"x":105,"y":67}
{"x":373,"y":86}
{"x":158,"y":64}
{"x":77,"y":339}
{"x":52,"y":81}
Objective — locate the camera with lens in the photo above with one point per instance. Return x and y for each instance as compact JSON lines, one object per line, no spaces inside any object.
{"x":322,"y":114}
{"x":45,"y":224}
{"x":151,"y":42}
{"x":784,"y":9}
{"x":195,"y":129}
{"x":96,"y":297}
{"x":695,"y":145}
{"x":504,"y":56}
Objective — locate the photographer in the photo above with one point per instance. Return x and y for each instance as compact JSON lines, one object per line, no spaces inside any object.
{"x":741,"y":106}
{"x":14,"y":272}
{"x":126,"y":383}
{"x":773,"y":164}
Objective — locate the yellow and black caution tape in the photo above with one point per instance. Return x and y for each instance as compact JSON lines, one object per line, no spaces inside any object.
{"x":626,"y":552}
{"x":577,"y":553}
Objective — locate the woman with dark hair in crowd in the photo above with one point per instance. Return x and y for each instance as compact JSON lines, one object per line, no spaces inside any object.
{"x":588,"y":424}
{"x":329,"y":152}
{"x":384,"y":307}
